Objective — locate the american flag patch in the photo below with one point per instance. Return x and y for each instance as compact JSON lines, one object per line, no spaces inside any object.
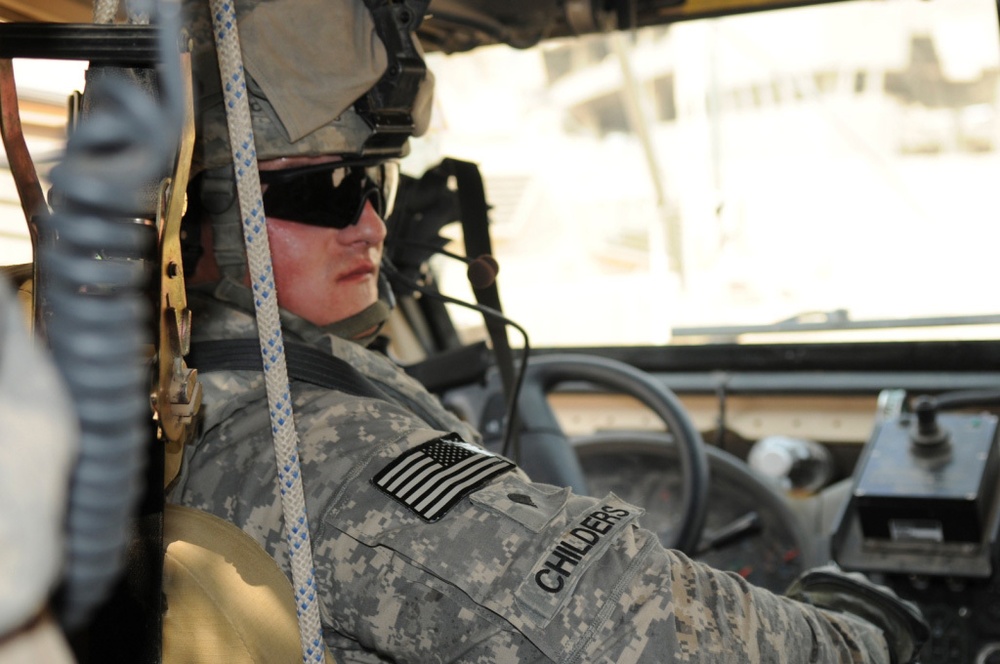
{"x":431,"y":478}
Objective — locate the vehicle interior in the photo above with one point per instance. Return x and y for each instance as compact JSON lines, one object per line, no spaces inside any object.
{"x":727,"y":259}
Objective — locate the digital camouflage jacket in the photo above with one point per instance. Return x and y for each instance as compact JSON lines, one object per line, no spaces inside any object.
{"x":428,"y":549}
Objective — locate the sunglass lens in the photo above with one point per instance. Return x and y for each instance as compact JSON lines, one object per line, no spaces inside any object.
{"x":333,"y":198}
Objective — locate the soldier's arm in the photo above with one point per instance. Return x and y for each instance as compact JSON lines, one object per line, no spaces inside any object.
{"x":707,"y":615}
{"x":575,"y":577}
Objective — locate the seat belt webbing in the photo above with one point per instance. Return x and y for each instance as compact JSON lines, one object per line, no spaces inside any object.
{"x":305,"y":363}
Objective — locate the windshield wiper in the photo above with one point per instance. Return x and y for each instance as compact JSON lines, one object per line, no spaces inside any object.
{"x":835,"y":319}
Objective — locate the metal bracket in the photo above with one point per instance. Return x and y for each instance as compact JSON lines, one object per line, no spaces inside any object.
{"x":176,"y":396}
{"x":388,"y":106}
{"x":118,"y":44}
{"x":29,"y":188}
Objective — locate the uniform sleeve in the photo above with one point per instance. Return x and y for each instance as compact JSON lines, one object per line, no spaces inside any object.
{"x":564,"y":577}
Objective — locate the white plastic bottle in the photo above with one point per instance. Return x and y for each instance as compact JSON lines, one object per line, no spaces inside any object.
{"x":797,"y":465}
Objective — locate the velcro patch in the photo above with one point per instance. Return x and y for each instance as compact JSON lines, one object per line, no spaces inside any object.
{"x":431,"y":478}
{"x":554,"y":577}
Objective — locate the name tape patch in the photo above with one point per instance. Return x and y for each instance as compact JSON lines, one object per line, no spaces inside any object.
{"x":556,"y":574}
{"x":431,"y":478}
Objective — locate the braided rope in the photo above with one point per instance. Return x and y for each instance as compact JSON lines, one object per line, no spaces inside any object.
{"x":105,"y":11}
{"x":268,"y":327}
{"x":137,"y":11}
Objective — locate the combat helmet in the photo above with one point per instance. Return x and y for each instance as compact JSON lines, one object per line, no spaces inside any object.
{"x":323,"y":77}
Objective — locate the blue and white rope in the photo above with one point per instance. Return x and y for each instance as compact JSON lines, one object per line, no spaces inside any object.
{"x":286,"y":446}
{"x":106,"y":11}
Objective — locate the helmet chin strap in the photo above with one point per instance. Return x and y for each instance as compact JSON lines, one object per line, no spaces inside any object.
{"x":251,"y":212}
{"x":363,"y":326}
{"x":219,"y":197}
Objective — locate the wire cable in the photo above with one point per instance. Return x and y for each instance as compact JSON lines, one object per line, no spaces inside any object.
{"x":510,"y":445}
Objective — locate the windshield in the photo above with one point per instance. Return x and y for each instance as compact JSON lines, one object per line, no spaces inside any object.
{"x":827,"y":172}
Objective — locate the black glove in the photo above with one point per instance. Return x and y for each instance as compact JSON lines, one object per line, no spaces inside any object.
{"x":901,"y":622}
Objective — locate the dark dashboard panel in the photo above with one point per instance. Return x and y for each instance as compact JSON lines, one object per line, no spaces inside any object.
{"x":952,"y":357}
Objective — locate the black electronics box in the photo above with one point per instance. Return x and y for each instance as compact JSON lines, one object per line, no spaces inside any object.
{"x":910,"y":495}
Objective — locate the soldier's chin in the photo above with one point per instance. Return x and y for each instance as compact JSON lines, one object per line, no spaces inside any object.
{"x":356,"y":301}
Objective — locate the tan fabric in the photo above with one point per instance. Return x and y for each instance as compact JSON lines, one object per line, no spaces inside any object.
{"x":311,"y":58}
{"x":307,"y":62}
{"x":38,"y":642}
{"x":343,"y":132}
{"x":227,"y":601}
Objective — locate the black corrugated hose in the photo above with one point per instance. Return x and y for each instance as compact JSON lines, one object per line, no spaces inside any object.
{"x":97,"y":311}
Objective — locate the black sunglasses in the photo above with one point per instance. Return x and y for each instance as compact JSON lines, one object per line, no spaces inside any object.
{"x":333,"y":194}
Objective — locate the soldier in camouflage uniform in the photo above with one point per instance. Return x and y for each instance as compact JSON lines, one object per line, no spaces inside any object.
{"x":413,"y":564}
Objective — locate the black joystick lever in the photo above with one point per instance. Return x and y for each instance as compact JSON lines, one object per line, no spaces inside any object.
{"x":926,"y":435}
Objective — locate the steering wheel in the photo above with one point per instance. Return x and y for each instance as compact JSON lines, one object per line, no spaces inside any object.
{"x":546,"y":455}
{"x":751,"y":528}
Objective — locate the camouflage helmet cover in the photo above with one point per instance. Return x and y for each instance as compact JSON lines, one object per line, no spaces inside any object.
{"x":307,"y":62}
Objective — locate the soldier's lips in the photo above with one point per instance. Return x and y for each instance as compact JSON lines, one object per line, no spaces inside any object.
{"x":359,"y":273}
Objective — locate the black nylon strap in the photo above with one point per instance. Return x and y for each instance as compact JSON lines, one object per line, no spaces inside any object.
{"x":388,"y":106}
{"x":304,"y":363}
{"x":475,"y":228}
